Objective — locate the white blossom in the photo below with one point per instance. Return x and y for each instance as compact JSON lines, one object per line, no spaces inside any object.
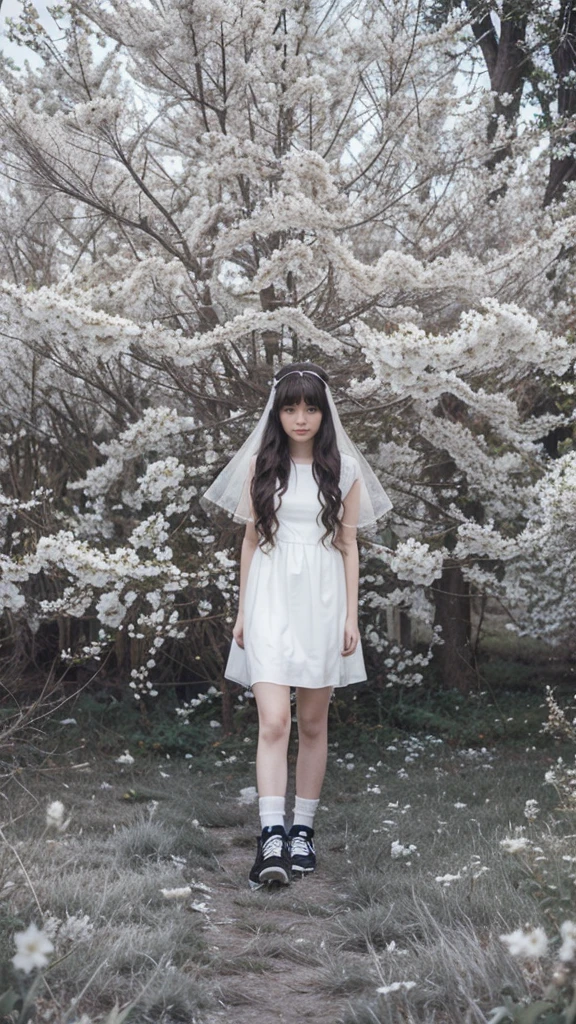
{"x":414,"y":561}
{"x":531,"y":944}
{"x":248,"y":795}
{"x":55,"y":816}
{"x":177,"y":894}
{"x":33,"y":947}
{"x":398,"y":850}
{"x":567,"y":951}
{"x":396,"y":986}
{"x":125,"y":758}
{"x":518,"y":844}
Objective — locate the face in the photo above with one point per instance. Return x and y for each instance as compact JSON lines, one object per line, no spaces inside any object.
{"x":301,"y":422}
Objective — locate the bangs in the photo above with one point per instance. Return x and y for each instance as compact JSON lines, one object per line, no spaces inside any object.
{"x":293,"y":388}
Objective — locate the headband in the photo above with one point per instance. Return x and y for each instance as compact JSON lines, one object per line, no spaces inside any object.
{"x":301,"y":372}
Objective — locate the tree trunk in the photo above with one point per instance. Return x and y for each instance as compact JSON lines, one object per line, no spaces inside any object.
{"x":227,"y":717}
{"x":562,"y":145}
{"x":399,"y":626}
{"x":270,"y":338}
{"x":508,"y":66}
{"x":452,"y":613}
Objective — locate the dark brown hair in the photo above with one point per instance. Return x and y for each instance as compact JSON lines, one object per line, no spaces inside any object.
{"x":273,"y":459}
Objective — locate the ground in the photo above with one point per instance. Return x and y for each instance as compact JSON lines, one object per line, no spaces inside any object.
{"x":412,"y":885}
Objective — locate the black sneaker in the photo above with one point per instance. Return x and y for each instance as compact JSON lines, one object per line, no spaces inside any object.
{"x":302,"y":852}
{"x":272,"y":862}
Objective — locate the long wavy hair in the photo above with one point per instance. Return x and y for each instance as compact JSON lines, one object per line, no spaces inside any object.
{"x":272,"y":469}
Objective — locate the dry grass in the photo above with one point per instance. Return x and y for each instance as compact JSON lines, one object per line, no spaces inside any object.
{"x":320,"y":948}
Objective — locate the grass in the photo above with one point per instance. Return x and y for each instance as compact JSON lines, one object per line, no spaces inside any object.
{"x":320,"y":948}
{"x":508,"y":705}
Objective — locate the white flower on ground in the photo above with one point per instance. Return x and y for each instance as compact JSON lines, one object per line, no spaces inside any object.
{"x":567,"y":950}
{"x":248,"y":795}
{"x":531,"y":810}
{"x":55,"y":816}
{"x":202,"y":888}
{"x":201,"y":908}
{"x":33,"y":947}
{"x":396,"y":986}
{"x":76,"y":928}
{"x":515,"y":845}
{"x":125,"y":758}
{"x":398,"y":850}
{"x":526,"y":945}
{"x":176,"y":894}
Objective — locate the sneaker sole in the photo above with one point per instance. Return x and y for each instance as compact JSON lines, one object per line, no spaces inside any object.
{"x":274,"y":874}
{"x":302,"y":871}
{"x":268,"y":882}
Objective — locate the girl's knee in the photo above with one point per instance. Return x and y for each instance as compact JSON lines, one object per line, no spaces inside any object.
{"x":312,"y":728}
{"x":274,"y":728}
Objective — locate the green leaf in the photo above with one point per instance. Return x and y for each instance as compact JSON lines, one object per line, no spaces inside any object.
{"x":531,"y":1014}
{"x":8,"y":1001}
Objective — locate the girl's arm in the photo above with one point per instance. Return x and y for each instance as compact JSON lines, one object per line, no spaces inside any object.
{"x":249,"y":545}
{"x":346,"y":543}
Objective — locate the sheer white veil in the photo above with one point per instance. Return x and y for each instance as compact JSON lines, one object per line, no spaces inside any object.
{"x":230,"y":489}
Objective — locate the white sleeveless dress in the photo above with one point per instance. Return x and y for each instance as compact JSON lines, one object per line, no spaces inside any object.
{"x":295,"y":598}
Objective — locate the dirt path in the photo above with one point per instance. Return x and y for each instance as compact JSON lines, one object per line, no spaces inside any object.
{"x":270,"y":944}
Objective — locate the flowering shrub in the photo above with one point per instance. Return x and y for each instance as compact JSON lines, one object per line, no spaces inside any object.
{"x":145,"y":344}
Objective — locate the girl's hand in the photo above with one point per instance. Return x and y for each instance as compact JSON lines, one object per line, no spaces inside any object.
{"x":238,"y":629}
{"x":351,"y":637}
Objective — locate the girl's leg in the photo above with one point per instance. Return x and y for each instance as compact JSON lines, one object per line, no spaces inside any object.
{"x":274,"y":720}
{"x":312,"y":712}
{"x":272,"y":862}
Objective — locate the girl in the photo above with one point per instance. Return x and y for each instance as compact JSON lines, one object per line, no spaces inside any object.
{"x":302,"y":488}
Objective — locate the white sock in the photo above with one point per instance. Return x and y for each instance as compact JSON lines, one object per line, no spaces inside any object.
{"x":304,"y":811}
{"x":272,"y":810}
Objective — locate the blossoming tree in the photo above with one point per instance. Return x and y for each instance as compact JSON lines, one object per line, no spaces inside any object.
{"x":232,"y":186}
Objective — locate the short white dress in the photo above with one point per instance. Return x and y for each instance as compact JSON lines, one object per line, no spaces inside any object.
{"x":295,"y":598}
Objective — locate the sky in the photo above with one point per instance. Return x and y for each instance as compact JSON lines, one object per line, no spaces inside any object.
{"x":11,"y":9}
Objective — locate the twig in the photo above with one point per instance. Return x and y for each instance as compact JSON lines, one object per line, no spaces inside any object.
{"x":24,"y":871}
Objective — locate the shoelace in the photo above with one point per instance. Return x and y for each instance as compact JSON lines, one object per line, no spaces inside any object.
{"x":299,"y":846}
{"x":272,"y":847}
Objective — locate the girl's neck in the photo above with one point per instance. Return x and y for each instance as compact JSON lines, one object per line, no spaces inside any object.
{"x":302,"y":454}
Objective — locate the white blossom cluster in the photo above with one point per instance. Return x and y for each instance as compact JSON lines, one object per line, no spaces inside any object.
{"x":186,"y":709}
